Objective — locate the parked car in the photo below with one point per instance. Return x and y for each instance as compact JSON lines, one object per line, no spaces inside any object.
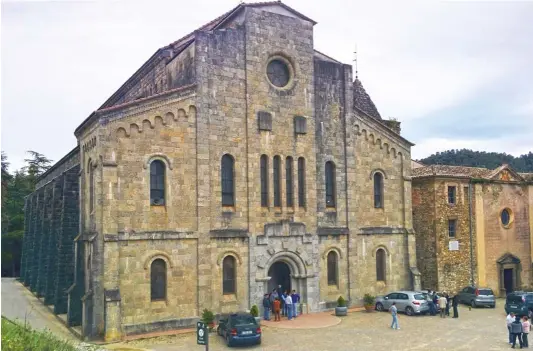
{"x":410,"y":302}
{"x":519,"y":302}
{"x":239,"y":329}
{"x":475,"y":297}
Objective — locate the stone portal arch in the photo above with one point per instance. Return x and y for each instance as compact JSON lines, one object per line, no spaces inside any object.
{"x":509,"y":273}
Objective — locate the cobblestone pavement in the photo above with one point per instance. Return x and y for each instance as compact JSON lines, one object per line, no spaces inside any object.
{"x":479,"y":329}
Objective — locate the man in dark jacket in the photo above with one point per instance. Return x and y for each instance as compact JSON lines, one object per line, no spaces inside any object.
{"x":266,"y":307}
{"x":516,"y":331}
{"x":455,"y":302}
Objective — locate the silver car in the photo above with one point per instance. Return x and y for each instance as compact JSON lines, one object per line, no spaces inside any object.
{"x":410,"y":302}
{"x":475,"y":297}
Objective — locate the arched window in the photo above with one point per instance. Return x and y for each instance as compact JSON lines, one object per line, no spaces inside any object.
{"x":301,"y":182}
{"x":228,"y":275}
{"x":157,"y":182}
{"x":332,"y":268}
{"x":381,"y":265}
{"x":330,"y":184}
{"x":288,"y":181}
{"x":277,"y":181}
{"x":228,"y":190}
{"x":158,"y":280}
{"x":91,"y":187}
{"x":378,"y":190}
{"x":264,"y":180}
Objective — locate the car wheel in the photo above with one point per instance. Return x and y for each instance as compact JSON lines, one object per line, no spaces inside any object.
{"x":219,"y":331}
{"x":409,"y":311}
{"x":493,"y":306}
{"x":379,"y":307}
{"x":473,"y":304}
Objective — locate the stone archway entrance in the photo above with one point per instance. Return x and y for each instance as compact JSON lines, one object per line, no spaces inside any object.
{"x":509,"y":273}
{"x":280,"y":274}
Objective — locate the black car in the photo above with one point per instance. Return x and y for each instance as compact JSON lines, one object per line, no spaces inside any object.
{"x":519,"y":302}
{"x":239,"y":329}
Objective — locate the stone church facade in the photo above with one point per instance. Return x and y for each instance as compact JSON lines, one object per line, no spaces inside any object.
{"x":473,"y":226}
{"x":235,"y":159}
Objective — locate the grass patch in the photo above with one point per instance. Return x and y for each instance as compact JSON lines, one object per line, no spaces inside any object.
{"x":18,"y":337}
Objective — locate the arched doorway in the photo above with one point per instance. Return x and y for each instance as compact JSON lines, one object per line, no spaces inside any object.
{"x":280,"y":274}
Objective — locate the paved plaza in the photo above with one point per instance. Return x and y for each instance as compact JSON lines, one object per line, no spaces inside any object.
{"x":479,"y":329}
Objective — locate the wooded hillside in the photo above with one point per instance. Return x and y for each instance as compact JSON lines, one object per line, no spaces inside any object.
{"x":491,"y":160}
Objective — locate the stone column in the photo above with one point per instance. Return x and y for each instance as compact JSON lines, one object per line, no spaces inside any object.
{"x":67,"y":231}
{"x":45,"y":237}
{"x":480,"y":234}
{"x":53,"y":219}
{"x":26,"y":240}
{"x":37,"y":236}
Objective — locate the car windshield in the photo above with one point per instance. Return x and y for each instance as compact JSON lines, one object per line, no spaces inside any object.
{"x":514,"y":299}
{"x":485,"y":292}
{"x":529,"y":297}
{"x":243,"y":320}
{"x":419,"y":297}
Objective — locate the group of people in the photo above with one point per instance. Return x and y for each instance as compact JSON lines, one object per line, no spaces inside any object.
{"x":443,"y":301}
{"x":519,"y":329}
{"x":281,"y":303}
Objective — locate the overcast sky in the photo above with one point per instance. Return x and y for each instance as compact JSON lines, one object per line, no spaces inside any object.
{"x":456,"y":74}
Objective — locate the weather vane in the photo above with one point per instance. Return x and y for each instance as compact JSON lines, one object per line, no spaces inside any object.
{"x":355,"y":61}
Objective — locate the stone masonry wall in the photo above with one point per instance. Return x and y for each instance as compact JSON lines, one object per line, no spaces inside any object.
{"x":51,"y":225}
{"x":424,"y":225}
{"x":454,"y":267}
{"x":378,"y":149}
{"x":500,"y":240}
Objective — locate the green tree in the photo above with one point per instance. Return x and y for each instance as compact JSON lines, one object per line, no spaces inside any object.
{"x":490,"y":160}
{"x":15,"y":188}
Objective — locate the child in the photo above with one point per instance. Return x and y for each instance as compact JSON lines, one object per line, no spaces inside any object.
{"x":277,"y":308}
{"x":526,"y":327}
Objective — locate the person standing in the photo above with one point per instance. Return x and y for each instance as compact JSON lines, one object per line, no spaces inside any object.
{"x":526,"y":328}
{"x":447,"y":304}
{"x":442,"y":304}
{"x":266,"y":307}
{"x":288,"y":304}
{"x":277,"y":307}
{"x":509,"y":320}
{"x":295,"y":303}
{"x":394,"y":313}
{"x":282,"y":297}
{"x":516,"y":330}
{"x":273,"y":296}
{"x":432,"y":309}
{"x":455,"y":302}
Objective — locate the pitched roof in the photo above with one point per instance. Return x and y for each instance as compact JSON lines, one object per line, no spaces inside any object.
{"x":471,"y":172}
{"x":180,"y":44}
{"x":362,"y":100}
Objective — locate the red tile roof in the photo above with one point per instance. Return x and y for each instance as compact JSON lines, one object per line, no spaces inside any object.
{"x":467,"y":172}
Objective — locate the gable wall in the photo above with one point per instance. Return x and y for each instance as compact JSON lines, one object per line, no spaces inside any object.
{"x":500,"y":240}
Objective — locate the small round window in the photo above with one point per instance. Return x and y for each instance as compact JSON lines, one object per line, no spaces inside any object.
{"x":278,"y":73}
{"x":505,"y":217}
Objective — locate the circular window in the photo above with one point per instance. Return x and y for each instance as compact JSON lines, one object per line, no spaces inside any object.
{"x":278,"y":73}
{"x":505,"y":217}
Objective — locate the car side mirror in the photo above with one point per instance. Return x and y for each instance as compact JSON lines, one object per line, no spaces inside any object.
{"x":386,"y":298}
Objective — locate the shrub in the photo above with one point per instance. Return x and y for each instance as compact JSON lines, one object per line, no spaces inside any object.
{"x":207,"y":316}
{"x":18,"y":337}
{"x":369,"y":300}
{"x":341,"y":302}
{"x":254,"y":311}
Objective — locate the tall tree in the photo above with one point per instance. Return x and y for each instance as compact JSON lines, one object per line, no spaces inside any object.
{"x":15,"y":188}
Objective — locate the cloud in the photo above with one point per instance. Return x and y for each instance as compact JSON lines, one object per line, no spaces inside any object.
{"x":418,"y":61}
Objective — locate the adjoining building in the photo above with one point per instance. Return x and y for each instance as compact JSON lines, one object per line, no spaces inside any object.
{"x":473,"y":226}
{"x":236,"y":159}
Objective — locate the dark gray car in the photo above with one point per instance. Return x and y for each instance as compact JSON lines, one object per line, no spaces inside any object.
{"x":476,"y":297}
